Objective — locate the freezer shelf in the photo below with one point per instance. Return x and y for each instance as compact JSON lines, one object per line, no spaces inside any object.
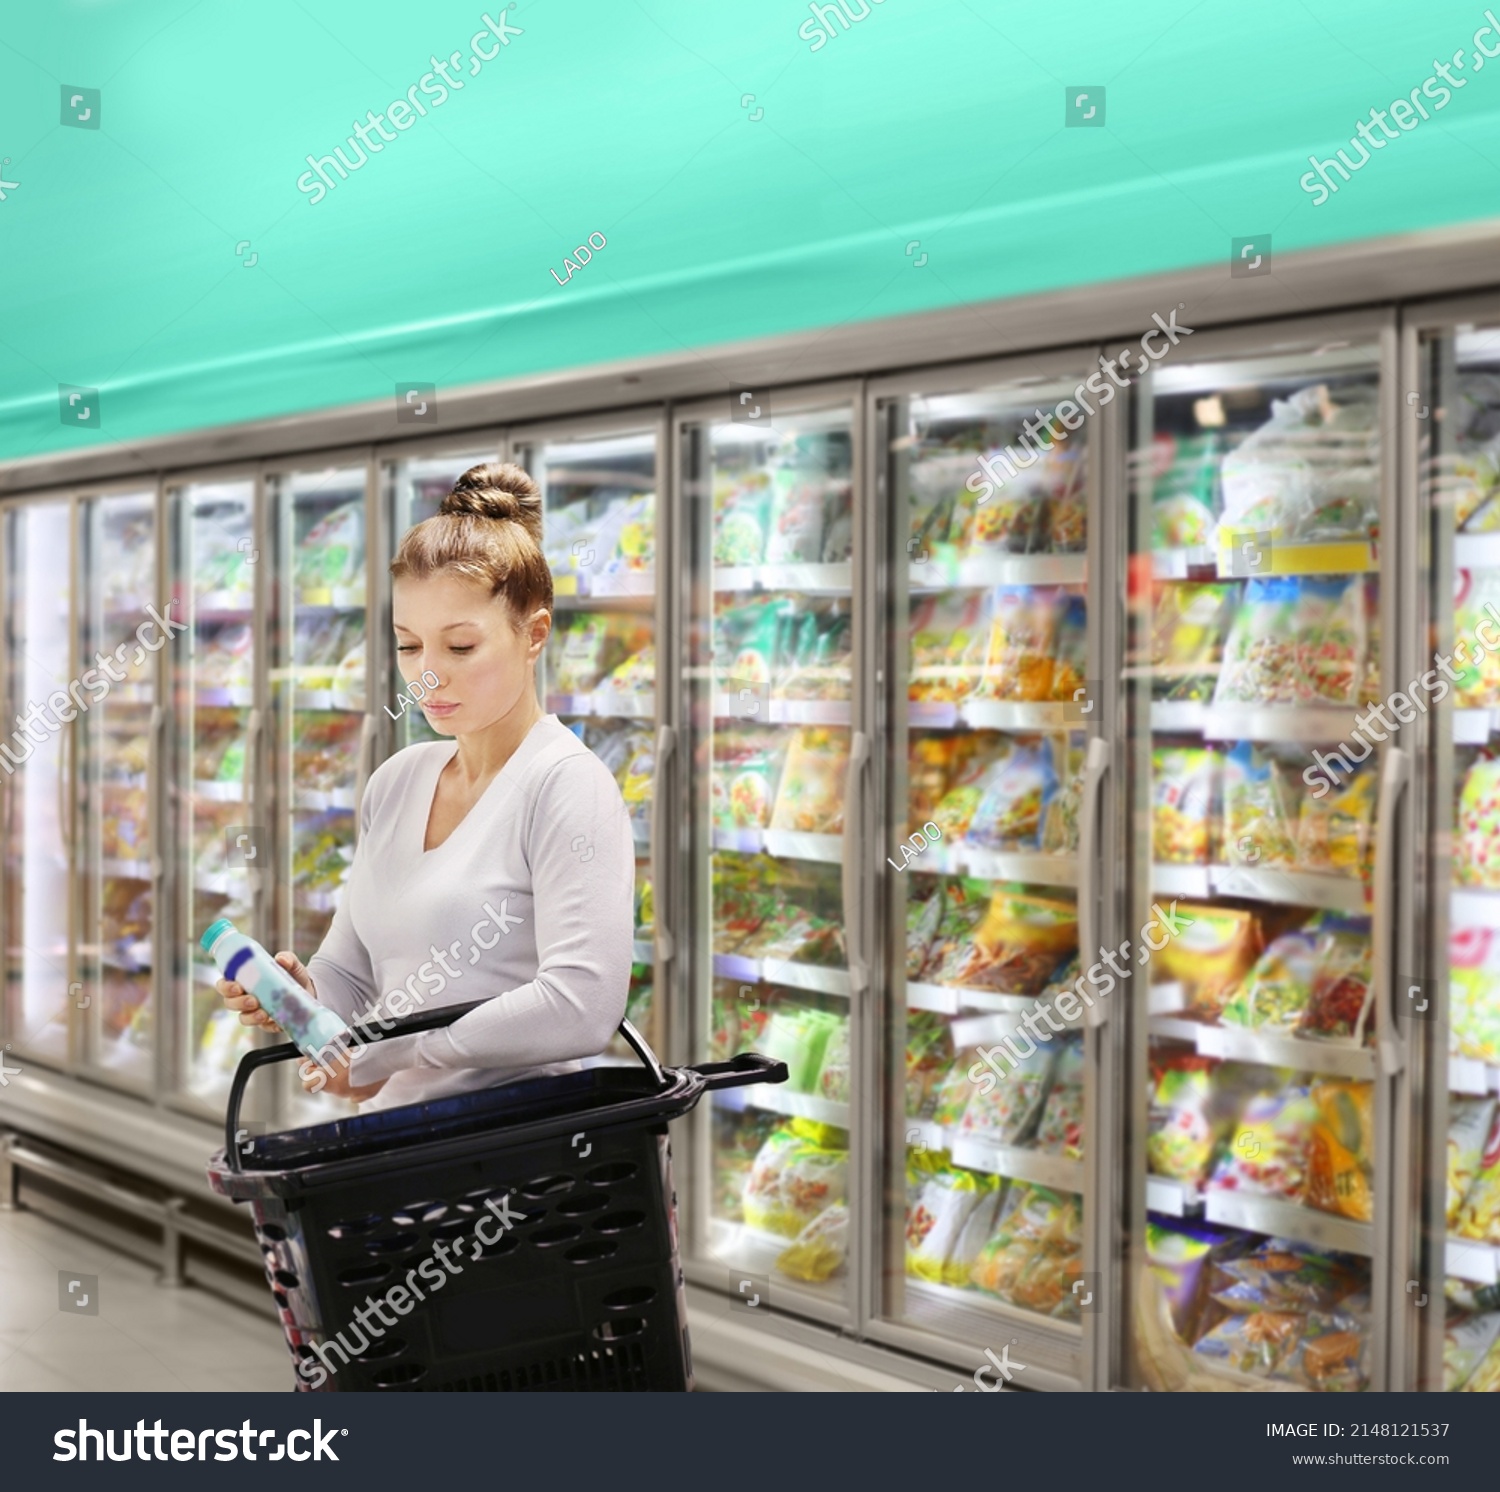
{"x":1352,"y":557}
{"x":1278,"y":1219}
{"x":1283,"y":887}
{"x":1019,"y":1162}
{"x":784,"y":972}
{"x":1234,"y":1044}
{"x":1314,"y":725}
{"x":1469,"y":1259}
{"x":774,"y":1099}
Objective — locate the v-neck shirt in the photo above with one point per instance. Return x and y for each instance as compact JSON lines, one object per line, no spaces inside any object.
{"x":527,"y":904}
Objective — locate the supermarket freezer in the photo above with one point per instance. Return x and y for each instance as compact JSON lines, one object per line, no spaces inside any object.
{"x":1272,"y":1110}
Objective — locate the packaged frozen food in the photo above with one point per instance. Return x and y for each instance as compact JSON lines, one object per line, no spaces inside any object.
{"x":1035,"y":1257}
{"x":626,"y":536}
{"x":931,"y":762}
{"x":1181,"y":1255}
{"x":1061,"y":1129}
{"x":1210,"y":956}
{"x":810,"y":798}
{"x":799,"y":1037}
{"x":1474,"y":994}
{"x":1479,"y":1212}
{"x":1285,"y":1276}
{"x":1476,"y":857}
{"x":746,"y":773}
{"x":1335,"y":832}
{"x":1012,"y":798}
{"x":1275,"y":995}
{"x":737,"y":1140}
{"x":924,"y":911}
{"x":1019,"y":662}
{"x":1007,"y":1113}
{"x":1016,"y":947}
{"x":797,"y":516}
{"x":1259,"y":1343}
{"x":635,"y":777}
{"x":1184,"y":473}
{"x":1469,"y":1124}
{"x":1188,"y":621}
{"x":822,"y":666}
{"x":747,"y":640}
{"x":833,"y":1077}
{"x":1296,"y":639}
{"x":1340,"y":1150}
{"x":820,"y":1249}
{"x":332,"y":552}
{"x":741,"y":517}
{"x":964,"y":903}
{"x":929,"y":1058}
{"x":1182,"y":1130}
{"x":972,"y":773}
{"x":1070,"y":651}
{"x":936,"y":1220}
{"x":1268,"y":1152}
{"x":636,"y":676}
{"x":1485,"y":1379}
{"x":1259,"y":817}
{"x":949,"y":636}
{"x":1342,"y":997}
{"x":1183,"y":785}
{"x":1059,"y":835}
{"x":1467,"y":1341}
{"x":1012,"y":520}
{"x":798,"y":1174}
{"x":1067,"y":506}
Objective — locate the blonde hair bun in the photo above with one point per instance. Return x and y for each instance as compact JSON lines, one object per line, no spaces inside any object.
{"x":497,"y":490}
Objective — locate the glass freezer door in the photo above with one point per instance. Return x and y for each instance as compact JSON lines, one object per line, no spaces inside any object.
{"x":984,"y":1234}
{"x":1259,"y":1117}
{"x":599,"y":671}
{"x":121,"y":745}
{"x":772,"y":656}
{"x":220,"y":833}
{"x":1458,"y":414}
{"x":35,"y":795}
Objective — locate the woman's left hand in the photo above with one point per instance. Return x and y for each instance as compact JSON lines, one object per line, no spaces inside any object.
{"x":334,"y":1080}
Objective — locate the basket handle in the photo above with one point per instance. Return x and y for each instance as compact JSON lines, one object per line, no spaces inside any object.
{"x":410,"y":1025}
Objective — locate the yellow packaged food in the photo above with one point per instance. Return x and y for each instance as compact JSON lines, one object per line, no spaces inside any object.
{"x":1340,"y":1150}
{"x":1334,"y":832}
{"x":1210,"y":955}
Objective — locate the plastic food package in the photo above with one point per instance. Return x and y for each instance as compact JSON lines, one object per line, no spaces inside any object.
{"x":931,"y":762}
{"x":955,"y":811}
{"x":1478,"y":683}
{"x":1275,"y":995}
{"x":1479,"y":1212}
{"x":1182,"y":1130}
{"x":937,"y":1218}
{"x":821,"y":666}
{"x":1296,"y":640}
{"x":964,"y":903}
{"x":1016,"y":792}
{"x":1020,"y":660}
{"x":332,"y":552}
{"x":1185,"y":473}
{"x":636,"y":775}
{"x":833,"y":1079}
{"x":1013,"y":519}
{"x":628,"y":536}
{"x":1210,"y":955}
{"x":1469,"y":1124}
{"x":1008,"y":1113}
{"x":954,"y":1091}
{"x":1335,"y":832}
{"x":1035,"y":1258}
{"x":796,"y":1176}
{"x":1467,"y":1341}
{"x":1258,"y":816}
{"x":741,"y":505}
{"x":949,"y":634}
{"x":1284,"y":1276}
{"x":1268,"y":1154}
{"x":1181,"y":1256}
{"x":1016,"y":947}
{"x":1067,"y":507}
{"x":1070,"y":651}
{"x":1486,"y":1377}
{"x":1059,"y":835}
{"x":746,"y":773}
{"x":797,"y":517}
{"x":1341,"y":992}
{"x":799,"y":1037}
{"x":636,"y":676}
{"x":819,"y":1251}
{"x":1476,"y":855}
{"x":747,"y":641}
{"x":1258,"y":1344}
{"x":924,"y":911}
{"x":1183,"y":781}
{"x":1061,"y":1129}
{"x":929,"y":1058}
{"x":1188,"y":620}
{"x":811,"y":795}
{"x":1340,"y":1150}
{"x":1474,"y":993}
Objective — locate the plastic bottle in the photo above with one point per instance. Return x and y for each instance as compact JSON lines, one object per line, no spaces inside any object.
{"x":311,"y":1026}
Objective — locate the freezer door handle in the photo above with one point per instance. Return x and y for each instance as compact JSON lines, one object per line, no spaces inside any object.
{"x":1395,"y":776}
{"x":661,"y":859}
{"x":364,"y":767}
{"x":154,"y":769}
{"x":1096,"y":769}
{"x":854,"y":858}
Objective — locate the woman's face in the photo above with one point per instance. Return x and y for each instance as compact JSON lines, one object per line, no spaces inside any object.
{"x":451,"y":627}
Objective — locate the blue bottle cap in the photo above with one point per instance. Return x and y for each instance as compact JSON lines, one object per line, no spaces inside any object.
{"x":215,"y":931}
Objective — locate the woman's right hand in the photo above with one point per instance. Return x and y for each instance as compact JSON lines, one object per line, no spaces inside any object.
{"x":238,"y":998}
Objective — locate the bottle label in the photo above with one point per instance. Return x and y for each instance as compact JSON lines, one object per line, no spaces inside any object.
{"x":238,"y":962}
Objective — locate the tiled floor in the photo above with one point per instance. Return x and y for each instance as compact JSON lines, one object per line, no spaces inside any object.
{"x":143,"y":1338}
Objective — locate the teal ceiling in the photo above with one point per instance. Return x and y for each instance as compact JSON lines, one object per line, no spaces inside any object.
{"x":744,"y":183}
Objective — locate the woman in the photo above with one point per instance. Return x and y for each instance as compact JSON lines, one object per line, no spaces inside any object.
{"x":500,"y":867}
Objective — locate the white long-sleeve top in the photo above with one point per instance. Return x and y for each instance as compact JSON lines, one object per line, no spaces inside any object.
{"x":528,"y":904}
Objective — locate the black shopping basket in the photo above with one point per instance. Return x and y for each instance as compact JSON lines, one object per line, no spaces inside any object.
{"x":529,"y":1231}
